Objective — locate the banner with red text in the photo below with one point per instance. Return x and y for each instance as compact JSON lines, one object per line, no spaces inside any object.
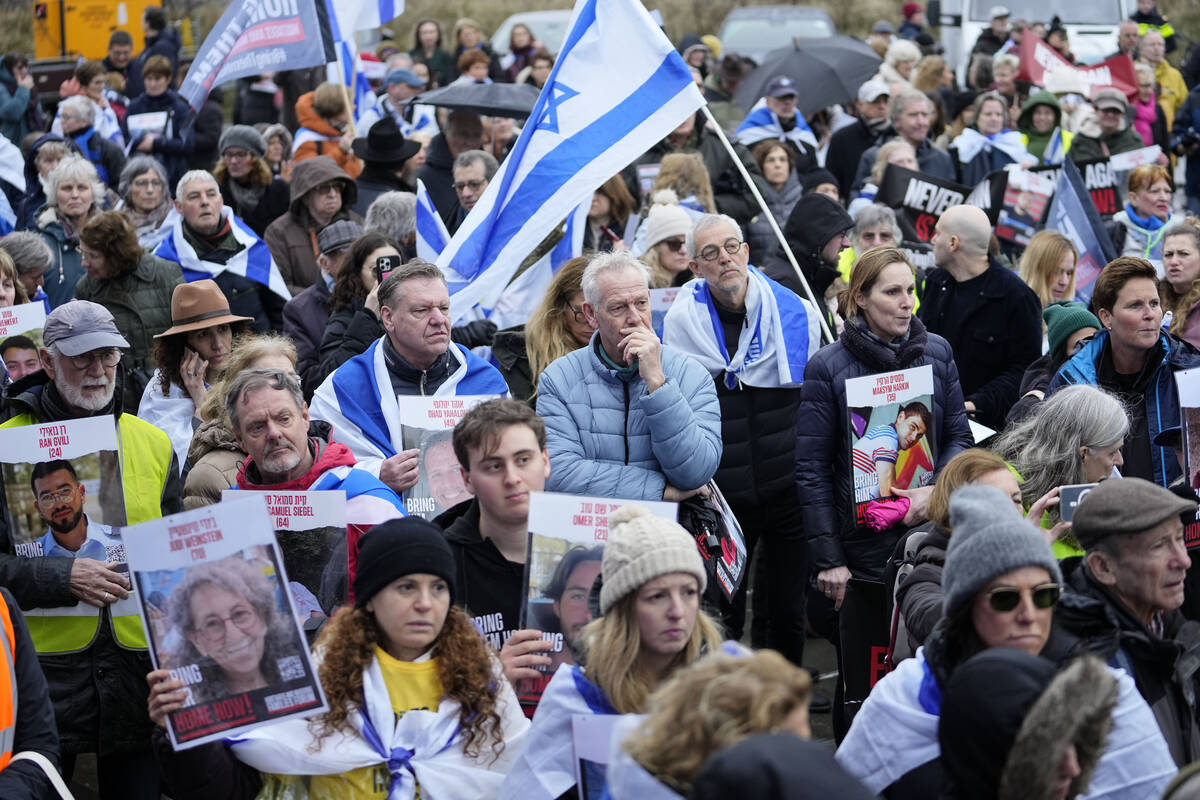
{"x":218,"y":615}
{"x":1043,"y":66}
{"x":429,"y":427}
{"x":21,"y":337}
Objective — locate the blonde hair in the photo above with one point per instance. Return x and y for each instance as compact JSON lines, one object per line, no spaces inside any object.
{"x":966,"y":467}
{"x":927,"y":76}
{"x":246,"y":350}
{"x":8,"y":268}
{"x":1181,"y":304}
{"x":547,"y":337}
{"x":685,"y":174}
{"x":1039,"y":263}
{"x":866,"y":271}
{"x":883,"y":154}
{"x":614,"y":648}
{"x":712,"y":705}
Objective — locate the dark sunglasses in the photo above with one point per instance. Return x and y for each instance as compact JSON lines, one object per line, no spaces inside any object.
{"x":1005,"y":599}
{"x":674,"y":245}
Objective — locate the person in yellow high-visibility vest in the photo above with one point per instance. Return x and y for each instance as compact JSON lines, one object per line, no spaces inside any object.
{"x":82,"y":616}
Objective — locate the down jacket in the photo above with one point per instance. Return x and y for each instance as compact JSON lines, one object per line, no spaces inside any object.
{"x":822,"y":451}
{"x":214,"y":460}
{"x":610,"y":438}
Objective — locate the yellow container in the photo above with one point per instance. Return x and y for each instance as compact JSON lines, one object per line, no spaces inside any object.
{"x":80,"y":28}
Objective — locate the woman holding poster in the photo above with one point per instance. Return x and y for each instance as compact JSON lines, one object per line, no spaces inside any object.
{"x":884,"y":436}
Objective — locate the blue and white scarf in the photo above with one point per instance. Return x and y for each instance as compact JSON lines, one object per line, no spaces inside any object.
{"x":783,"y":333}
{"x":762,"y":123}
{"x":253,"y":261}
{"x":358,"y":401}
{"x":971,"y":143}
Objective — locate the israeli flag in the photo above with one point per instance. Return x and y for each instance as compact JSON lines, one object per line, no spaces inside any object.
{"x":253,"y":261}
{"x":617,"y":88}
{"x":432,"y":235}
{"x":762,"y":123}
{"x":360,"y":15}
{"x":521,"y":297}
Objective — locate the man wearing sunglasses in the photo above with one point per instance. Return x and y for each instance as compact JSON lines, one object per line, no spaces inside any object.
{"x":473,"y":171}
{"x":1123,"y":598}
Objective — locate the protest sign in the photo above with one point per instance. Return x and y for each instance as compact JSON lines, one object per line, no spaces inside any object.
{"x":429,"y":427}
{"x":728,"y":565}
{"x":660,"y":303}
{"x":1074,"y":215}
{"x":592,"y":736}
{"x":891,"y":441}
{"x":255,"y":37}
{"x":310,"y":529}
{"x":1124,"y":162}
{"x":566,"y":541}
{"x":27,"y":321}
{"x":918,"y":199}
{"x":1099,"y":179}
{"x":1026,"y":198}
{"x":217,"y":614}
{"x":1188,"y":384}
{"x":1043,"y":66}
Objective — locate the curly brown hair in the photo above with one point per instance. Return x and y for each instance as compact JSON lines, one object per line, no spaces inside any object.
{"x":169,"y":350}
{"x":260,"y":172}
{"x":464,"y":669}
{"x":110,"y":234}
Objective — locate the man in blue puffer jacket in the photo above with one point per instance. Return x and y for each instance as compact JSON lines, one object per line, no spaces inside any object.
{"x":625,"y":416}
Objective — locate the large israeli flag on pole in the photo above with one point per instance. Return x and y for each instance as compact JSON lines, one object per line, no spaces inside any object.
{"x":432,"y":235}
{"x":346,"y":17}
{"x":617,"y":88}
{"x":522,"y":296}
{"x":361,"y":15}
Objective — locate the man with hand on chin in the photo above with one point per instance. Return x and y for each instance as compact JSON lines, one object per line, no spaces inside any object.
{"x":625,"y":416}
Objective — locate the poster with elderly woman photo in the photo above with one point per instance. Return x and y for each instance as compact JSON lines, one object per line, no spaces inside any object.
{"x":219,"y":617}
{"x":21,"y":337}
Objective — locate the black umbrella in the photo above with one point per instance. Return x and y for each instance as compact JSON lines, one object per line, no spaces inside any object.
{"x":489,"y":99}
{"x":825,"y":71}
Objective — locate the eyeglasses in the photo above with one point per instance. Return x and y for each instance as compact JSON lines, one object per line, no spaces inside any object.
{"x":475,"y":186}
{"x":675,"y":245}
{"x":577,"y":312}
{"x":213,"y":628}
{"x":731,"y":246}
{"x":107,"y":358}
{"x":238,"y":155}
{"x":147,"y":183}
{"x":332,"y":187}
{"x":1005,"y":599}
{"x":51,"y":499}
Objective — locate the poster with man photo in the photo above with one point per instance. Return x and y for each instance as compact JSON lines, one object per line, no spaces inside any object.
{"x":219,"y":617}
{"x":1026,"y":199}
{"x":310,"y":528}
{"x":21,"y":338}
{"x":428,"y":426}
{"x":566,"y":542}
{"x":890,"y":415}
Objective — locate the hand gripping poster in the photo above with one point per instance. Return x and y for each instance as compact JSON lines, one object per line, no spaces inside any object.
{"x":310,"y":528}
{"x":428,"y":427}
{"x":218,"y":614}
{"x":566,"y":542}
{"x":891,"y":447}
{"x":21,"y":337}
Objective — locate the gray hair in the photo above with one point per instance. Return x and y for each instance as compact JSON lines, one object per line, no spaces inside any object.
{"x":901,"y":99}
{"x":249,"y":380}
{"x":873,"y":216}
{"x":393,"y":214}
{"x":1005,"y":60}
{"x":607,"y":262}
{"x":73,"y":167}
{"x":1190,"y":228}
{"x":28,"y":251}
{"x":710,"y":221}
{"x":137,"y":166}
{"x":81,"y":105}
{"x":902,"y":50}
{"x":389,"y":290}
{"x":194,"y":175}
{"x":1044,"y":447}
{"x":466,"y":159}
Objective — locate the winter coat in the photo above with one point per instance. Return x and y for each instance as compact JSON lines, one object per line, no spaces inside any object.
{"x":35,"y":195}
{"x":724,"y":108}
{"x":773,"y":765}
{"x":1131,"y":239}
{"x":984,"y":163}
{"x":437,"y":173}
{"x":107,"y":157}
{"x":823,"y":474}
{"x":174,"y":143}
{"x":1088,"y":148}
{"x":610,"y":438}
{"x":988,"y":43}
{"x":441,"y":66}
{"x":166,"y":43}
{"x":14,"y":108}
{"x":348,"y":332}
{"x":994,"y":328}
{"x":1159,"y":406}
{"x":760,"y":235}
{"x":810,"y":225}
{"x":274,"y":202}
{"x":512,"y":359}
{"x":310,"y":119}
{"x":304,"y":318}
{"x":1029,"y":133}
{"x":373,"y":182}
{"x":846,"y":147}
{"x":214,"y":459}
{"x":66,"y":265}
{"x":140,"y":302}
{"x":1165,"y":667}
{"x":1187,"y":123}
{"x":931,"y":160}
{"x":292,"y":238}
{"x":920,"y":595}
{"x":490,"y":587}
{"x":206,"y":134}
{"x":34,"y":715}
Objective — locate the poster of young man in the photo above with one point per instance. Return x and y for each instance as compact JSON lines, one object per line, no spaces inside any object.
{"x":566,"y":542}
{"x":428,"y":426}
{"x":1026,"y":198}
{"x":890,"y":415}
{"x":310,"y":528}
{"x":218,"y":615}
{"x":21,"y":338}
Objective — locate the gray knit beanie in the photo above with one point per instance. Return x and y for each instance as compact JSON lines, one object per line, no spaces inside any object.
{"x":640,"y":548}
{"x":989,"y":538}
{"x":245,"y":137}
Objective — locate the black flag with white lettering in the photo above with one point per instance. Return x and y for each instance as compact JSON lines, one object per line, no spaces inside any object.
{"x":918,"y":199}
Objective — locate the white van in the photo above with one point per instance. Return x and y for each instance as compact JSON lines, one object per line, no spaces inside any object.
{"x":1091,"y":25}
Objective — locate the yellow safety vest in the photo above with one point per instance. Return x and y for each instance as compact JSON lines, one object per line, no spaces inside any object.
{"x":8,"y":686}
{"x":145,"y":453}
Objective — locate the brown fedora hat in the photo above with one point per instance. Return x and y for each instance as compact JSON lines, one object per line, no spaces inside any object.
{"x":198,"y":305}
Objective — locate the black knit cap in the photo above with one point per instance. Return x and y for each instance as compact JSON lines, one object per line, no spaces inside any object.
{"x":397,"y":548}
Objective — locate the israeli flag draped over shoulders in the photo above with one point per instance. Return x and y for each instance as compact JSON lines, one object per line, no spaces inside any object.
{"x":432,"y":235}
{"x":617,"y":88}
{"x":762,"y":123}
{"x":781,"y":333}
{"x":253,"y":261}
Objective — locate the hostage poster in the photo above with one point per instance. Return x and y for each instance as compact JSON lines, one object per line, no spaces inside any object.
{"x":1188,"y":383}
{"x":21,"y":338}
{"x":429,"y":427}
{"x":218,"y":615}
{"x":566,"y":542}
{"x":890,"y":417}
{"x":1026,"y":197}
{"x":310,"y":529}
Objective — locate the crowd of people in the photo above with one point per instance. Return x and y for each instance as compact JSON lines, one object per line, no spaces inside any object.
{"x":245,"y":299}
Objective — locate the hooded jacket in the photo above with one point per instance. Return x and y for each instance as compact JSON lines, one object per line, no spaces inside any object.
{"x":292,"y":239}
{"x":66,"y":262}
{"x":1044,"y":146}
{"x":813,"y":221}
{"x":328,"y":146}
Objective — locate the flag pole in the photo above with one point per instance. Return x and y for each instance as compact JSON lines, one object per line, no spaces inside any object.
{"x":787,"y":250}
{"x":346,"y":95}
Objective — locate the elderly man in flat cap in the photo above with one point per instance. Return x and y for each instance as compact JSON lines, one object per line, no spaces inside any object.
{"x":1123,"y":597}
